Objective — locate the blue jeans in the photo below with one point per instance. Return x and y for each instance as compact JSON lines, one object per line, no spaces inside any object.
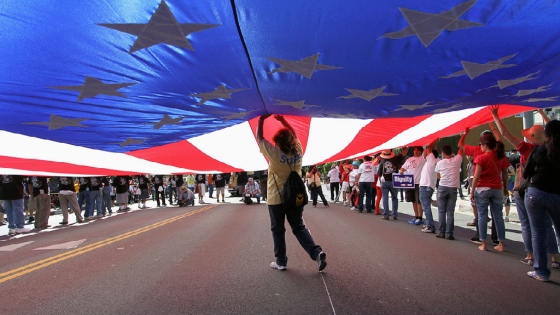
{"x":14,"y":212}
{"x":106,"y":200}
{"x":365,"y":188}
{"x":493,"y":198}
{"x":170,"y":191}
{"x":97,"y":201}
{"x":426,"y":200}
{"x":278,"y":215}
{"x":538,"y":204}
{"x":551,"y":242}
{"x":387,"y":187}
{"x":210,"y":190}
{"x":85,"y":195}
{"x":446,"y":200}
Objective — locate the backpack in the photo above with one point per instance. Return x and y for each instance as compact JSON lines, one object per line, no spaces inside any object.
{"x":294,"y":194}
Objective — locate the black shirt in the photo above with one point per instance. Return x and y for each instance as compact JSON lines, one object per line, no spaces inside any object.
{"x":97,"y":182}
{"x":242,"y":179}
{"x":38,"y":184}
{"x":142,"y":182}
{"x":200,"y":178}
{"x":178,"y":180}
{"x":121,"y":183}
{"x":544,"y":173}
{"x":85,"y":183}
{"x":219,"y":180}
{"x":389,"y":167}
{"x":11,"y":187}
{"x":66,"y":183}
{"x":158,"y":181}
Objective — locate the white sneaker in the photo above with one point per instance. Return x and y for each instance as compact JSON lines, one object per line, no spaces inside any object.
{"x":23,"y":230}
{"x":506,"y":219}
{"x":12,"y":232}
{"x":273,"y":265}
{"x":353,"y":208}
{"x":345,"y":204}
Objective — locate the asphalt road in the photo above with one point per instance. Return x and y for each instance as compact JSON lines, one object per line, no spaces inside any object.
{"x":215,"y":260}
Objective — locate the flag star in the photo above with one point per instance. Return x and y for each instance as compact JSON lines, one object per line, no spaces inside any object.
{"x":505,"y":83}
{"x":367,"y":95}
{"x":428,"y":26}
{"x":93,"y":87}
{"x":548,"y":99}
{"x":220,"y":92}
{"x":473,"y":69}
{"x":162,"y":28}
{"x":521,"y":93}
{"x":58,"y":122}
{"x":305,"y":67}
{"x":447,"y":109}
{"x":238,"y":115}
{"x":166,"y":120}
{"x":299,"y":104}
{"x":413,"y":107}
{"x":130,"y":141}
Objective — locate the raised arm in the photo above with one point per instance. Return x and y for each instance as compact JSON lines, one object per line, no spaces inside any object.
{"x":260,"y":132}
{"x":461,"y":143}
{"x":405,"y":151}
{"x":429,"y":148}
{"x":281,"y":119}
{"x":544,"y":117}
{"x":509,"y":137}
{"x":495,"y":132}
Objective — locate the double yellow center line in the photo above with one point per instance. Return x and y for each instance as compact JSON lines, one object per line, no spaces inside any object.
{"x":73,"y":253}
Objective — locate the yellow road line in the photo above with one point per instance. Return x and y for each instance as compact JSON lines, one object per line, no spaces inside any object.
{"x":52,"y":260}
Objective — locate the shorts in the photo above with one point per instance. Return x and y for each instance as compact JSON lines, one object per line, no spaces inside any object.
{"x":412,"y":195}
{"x":201,"y":188}
{"x":122,"y":198}
{"x":144,"y":193}
{"x":345,"y":186}
{"x":220,"y":190}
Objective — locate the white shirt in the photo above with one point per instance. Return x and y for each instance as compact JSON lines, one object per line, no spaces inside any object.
{"x":449,"y":171}
{"x":367,"y":171}
{"x":334,"y":175}
{"x":252,"y":189}
{"x":428,"y":178}
{"x":414,"y":166}
{"x":352,"y":178}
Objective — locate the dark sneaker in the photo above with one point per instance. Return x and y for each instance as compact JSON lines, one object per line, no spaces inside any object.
{"x":273,"y":265}
{"x":450,"y":237}
{"x":440,"y":235}
{"x":322,"y":261}
{"x":475,"y":240}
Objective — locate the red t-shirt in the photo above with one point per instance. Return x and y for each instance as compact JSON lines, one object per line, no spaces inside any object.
{"x":345,"y":176}
{"x":491,"y":175}
{"x":525,"y":150}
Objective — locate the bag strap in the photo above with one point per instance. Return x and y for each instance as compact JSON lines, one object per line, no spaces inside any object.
{"x":491,"y":158}
{"x":278,"y":188}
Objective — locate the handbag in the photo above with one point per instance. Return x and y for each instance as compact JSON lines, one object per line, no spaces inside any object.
{"x":519,"y":177}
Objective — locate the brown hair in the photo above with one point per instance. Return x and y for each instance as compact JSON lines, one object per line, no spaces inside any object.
{"x":284,"y":139}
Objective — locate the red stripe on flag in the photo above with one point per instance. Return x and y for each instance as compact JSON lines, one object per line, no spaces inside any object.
{"x":33,"y":165}
{"x":183,"y":154}
{"x":374,"y":134}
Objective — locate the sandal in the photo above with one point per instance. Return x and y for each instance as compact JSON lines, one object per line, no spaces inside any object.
{"x":527,"y":261}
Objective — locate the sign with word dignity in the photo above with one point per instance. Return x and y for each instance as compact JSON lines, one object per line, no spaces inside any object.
{"x":403,"y":181}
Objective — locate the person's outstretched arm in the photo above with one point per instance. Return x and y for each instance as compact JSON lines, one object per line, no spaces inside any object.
{"x":544,"y":117}
{"x":509,"y":137}
{"x":429,"y":148}
{"x":461,"y":143}
{"x":281,"y":119}
{"x":497,"y":135}
{"x":260,"y":132}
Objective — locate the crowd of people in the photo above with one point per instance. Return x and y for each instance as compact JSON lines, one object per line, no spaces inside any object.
{"x":491,"y":178}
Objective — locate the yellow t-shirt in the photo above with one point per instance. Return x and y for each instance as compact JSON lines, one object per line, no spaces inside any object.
{"x":280,"y":166}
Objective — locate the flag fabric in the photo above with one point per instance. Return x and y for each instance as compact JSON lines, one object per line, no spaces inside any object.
{"x":103,"y":87}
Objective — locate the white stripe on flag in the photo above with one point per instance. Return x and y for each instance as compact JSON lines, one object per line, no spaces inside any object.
{"x":20,"y":146}
{"x":235,"y":145}
{"x":329,"y":136}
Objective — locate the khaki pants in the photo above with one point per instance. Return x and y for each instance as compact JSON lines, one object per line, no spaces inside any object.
{"x":42,"y":210}
{"x":73,"y":201}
